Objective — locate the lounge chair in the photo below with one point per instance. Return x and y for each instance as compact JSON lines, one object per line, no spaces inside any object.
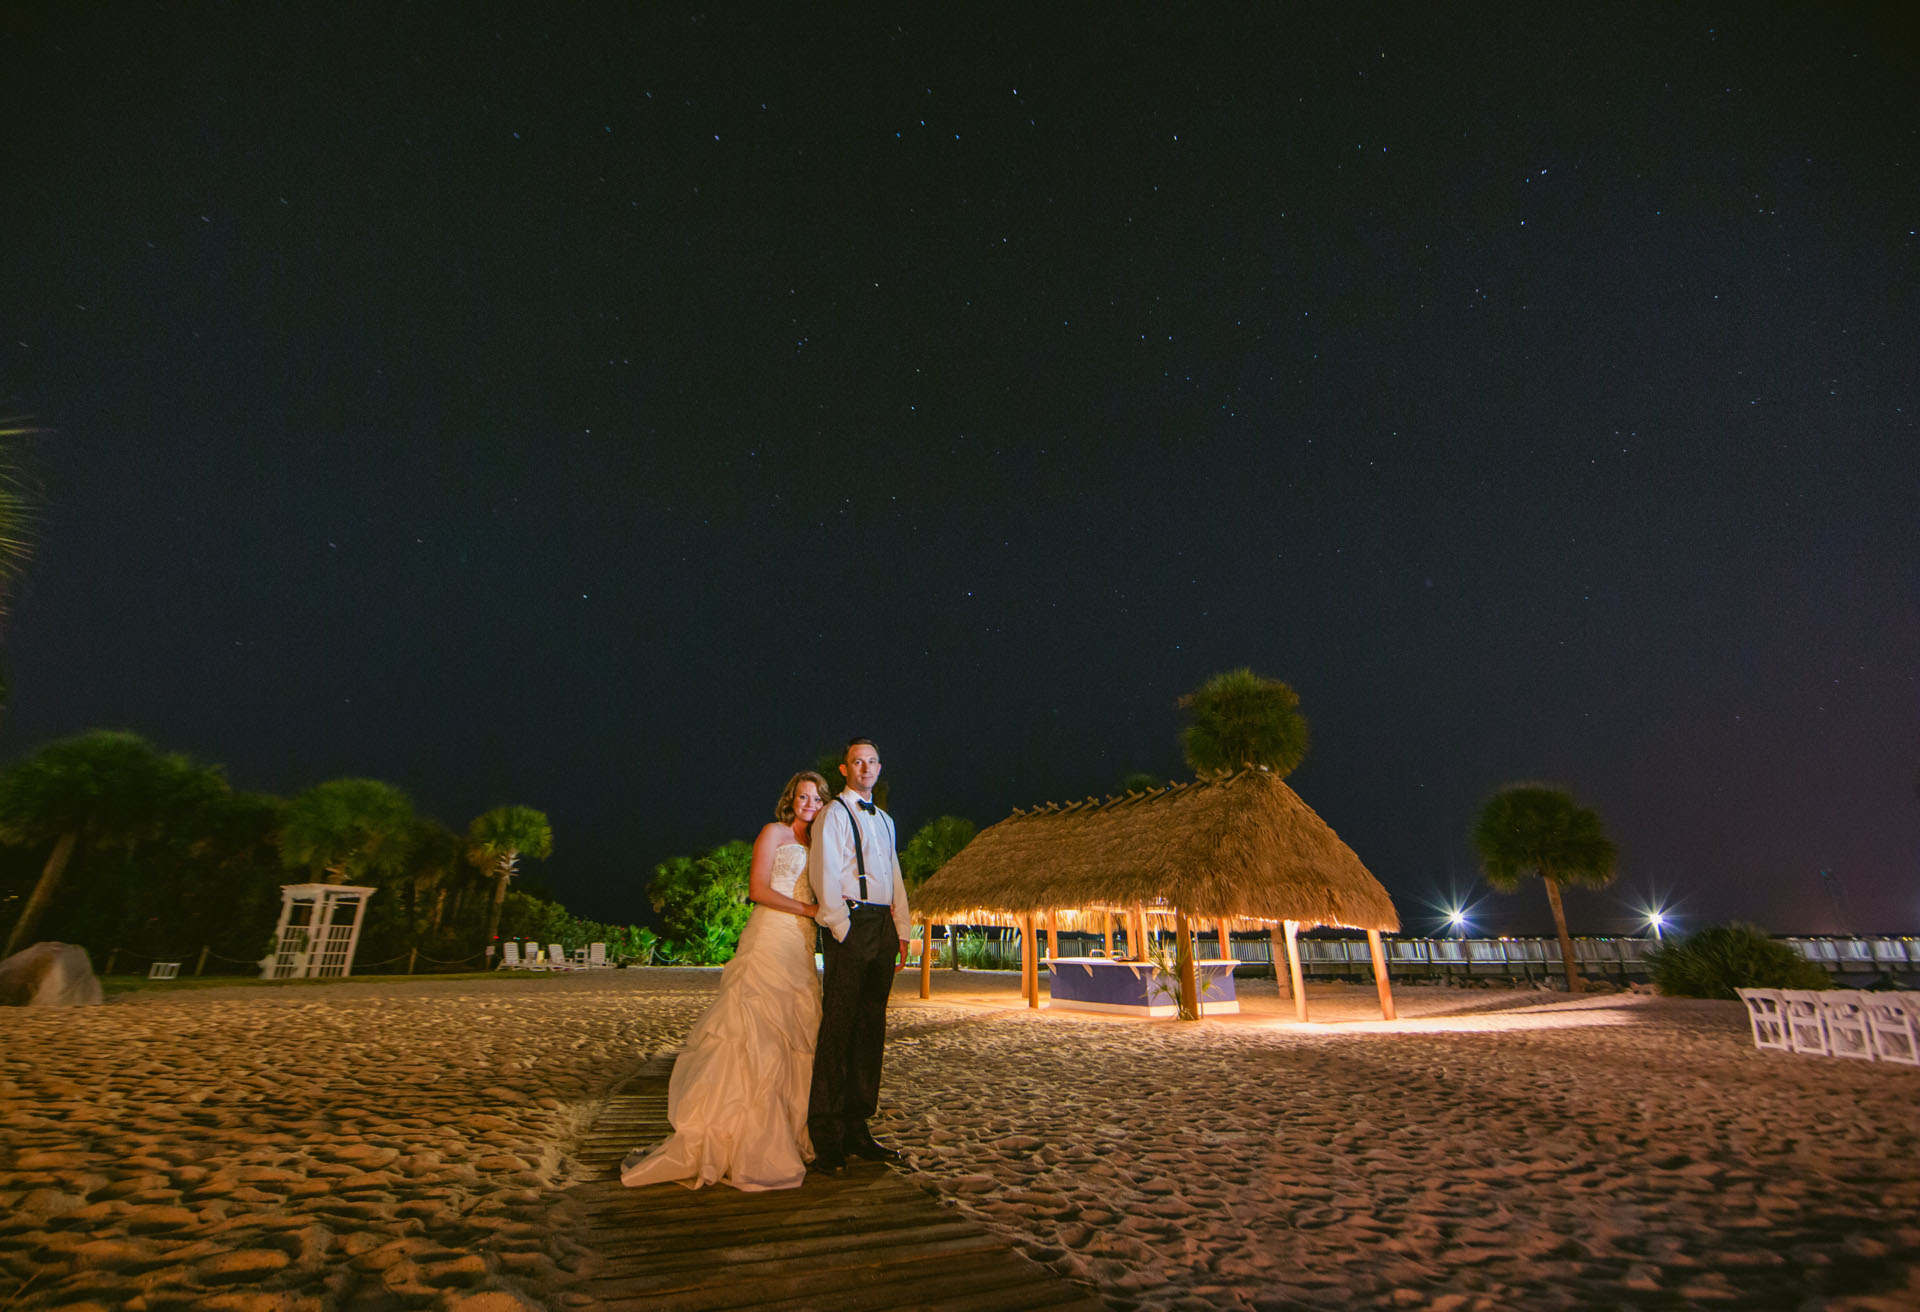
{"x":596,"y":956}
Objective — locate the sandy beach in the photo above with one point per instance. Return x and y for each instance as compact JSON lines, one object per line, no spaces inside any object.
{"x":404,"y":1144}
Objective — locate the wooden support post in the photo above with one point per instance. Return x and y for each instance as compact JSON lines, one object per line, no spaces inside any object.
{"x":1380,"y":981}
{"x":1031,"y":938}
{"x":1226,"y":940}
{"x":1183,"y":962}
{"x":1053,"y":936}
{"x":1277,"y":953}
{"x":926,"y":961}
{"x":953,"y":947}
{"x":412,"y":953}
{"x":201,"y":965}
{"x":1294,"y":973}
{"x":1106,"y":923}
{"x":112,"y":956}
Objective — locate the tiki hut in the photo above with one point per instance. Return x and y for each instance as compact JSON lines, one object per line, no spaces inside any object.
{"x":1223,"y":851}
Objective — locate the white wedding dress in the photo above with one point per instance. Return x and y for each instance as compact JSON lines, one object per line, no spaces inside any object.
{"x":738,"y":1097}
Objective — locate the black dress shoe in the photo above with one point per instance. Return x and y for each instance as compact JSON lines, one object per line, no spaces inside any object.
{"x":827,"y":1161}
{"x":875,"y":1152}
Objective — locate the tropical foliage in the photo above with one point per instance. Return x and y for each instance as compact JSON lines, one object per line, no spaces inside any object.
{"x":932,"y":847}
{"x":104,"y":795}
{"x":540,"y":921}
{"x":702,"y":901}
{"x":1532,"y":829}
{"x":1238,"y":718}
{"x":1721,"y":958}
{"x":348,"y":831}
{"x":19,"y":507}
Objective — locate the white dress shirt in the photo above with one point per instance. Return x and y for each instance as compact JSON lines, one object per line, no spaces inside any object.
{"x":834,"y":871}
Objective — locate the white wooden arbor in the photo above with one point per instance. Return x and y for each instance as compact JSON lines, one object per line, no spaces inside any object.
{"x":319,"y":931}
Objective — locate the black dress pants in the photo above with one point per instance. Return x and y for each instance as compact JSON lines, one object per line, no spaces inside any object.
{"x":853,"y":1029}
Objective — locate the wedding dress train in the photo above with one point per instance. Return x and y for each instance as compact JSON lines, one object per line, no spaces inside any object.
{"x":738,"y":1097}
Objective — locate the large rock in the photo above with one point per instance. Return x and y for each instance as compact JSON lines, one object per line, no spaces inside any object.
{"x":48,"y":975}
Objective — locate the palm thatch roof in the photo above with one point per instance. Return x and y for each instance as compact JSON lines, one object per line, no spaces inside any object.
{"x":1238,"y":846}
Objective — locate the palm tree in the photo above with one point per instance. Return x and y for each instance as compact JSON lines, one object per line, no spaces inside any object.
{"x":1242,"y":719}
{"x":108,"y":789}
{"x":348,"y":830}
{"x":18,"y":504}
{"x":933,"y":846}
{"x":434,"y":861}
{"x":1535,"y":829}
{"x":496,"y":842}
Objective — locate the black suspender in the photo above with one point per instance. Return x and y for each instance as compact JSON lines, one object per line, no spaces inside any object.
{"x":859,"y":855}
{"x":859,"y":852}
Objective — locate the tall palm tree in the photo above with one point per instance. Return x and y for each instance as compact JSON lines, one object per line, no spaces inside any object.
{"x":1241,"y":719}
{"x":104,"y":789}
{"x":496,"y":842}
{"x":348,"y":831}
{"x":1535,"y":829}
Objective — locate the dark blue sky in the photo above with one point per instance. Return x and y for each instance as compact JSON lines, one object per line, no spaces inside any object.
{"x":610,"y":411}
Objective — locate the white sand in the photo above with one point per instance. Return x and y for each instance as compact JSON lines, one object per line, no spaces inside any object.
{"x":370,"y":1146}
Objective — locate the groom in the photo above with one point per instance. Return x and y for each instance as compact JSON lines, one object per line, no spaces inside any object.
{"x":855,"y":874}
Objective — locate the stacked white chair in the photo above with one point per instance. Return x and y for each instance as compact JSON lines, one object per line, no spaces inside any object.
{"x":1846,"y":1024}
{"x":1894,"y":1026}
{"x":1806,"y":1021}
{"x":1768,"y":1018}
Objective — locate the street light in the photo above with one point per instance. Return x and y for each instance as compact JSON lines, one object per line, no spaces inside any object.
{"x":1656,"y":921}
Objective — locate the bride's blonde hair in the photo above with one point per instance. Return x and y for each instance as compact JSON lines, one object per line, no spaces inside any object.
{"x":783,"y":809}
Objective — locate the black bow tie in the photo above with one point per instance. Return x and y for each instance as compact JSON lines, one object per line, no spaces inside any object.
{"x":869,"y":807}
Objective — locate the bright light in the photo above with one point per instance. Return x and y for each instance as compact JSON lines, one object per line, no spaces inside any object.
{"x":1456,"y":917}
{"x":1656,"y":921}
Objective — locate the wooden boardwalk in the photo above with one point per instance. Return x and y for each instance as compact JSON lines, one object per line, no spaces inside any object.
{"x":867,"y":1240}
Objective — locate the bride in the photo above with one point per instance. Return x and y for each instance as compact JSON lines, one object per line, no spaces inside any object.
{"x":738,"y":1096}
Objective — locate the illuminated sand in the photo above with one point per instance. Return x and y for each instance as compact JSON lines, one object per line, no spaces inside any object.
{"x":402,"y":1145}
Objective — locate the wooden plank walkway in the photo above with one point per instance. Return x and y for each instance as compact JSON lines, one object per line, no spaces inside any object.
{"x":867,"y":1240}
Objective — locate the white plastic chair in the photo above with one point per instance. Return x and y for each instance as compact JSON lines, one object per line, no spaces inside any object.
{"x":1847,"y":1033}
{"x":1768,"y":1018}
{"x":1806,"y":1021}
{"x":596,"y":956}
{"x":1894,"y":1026}
{"x":510,"y":957}
{"x":557,"y":958}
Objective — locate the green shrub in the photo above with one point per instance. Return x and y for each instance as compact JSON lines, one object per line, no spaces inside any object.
{"x":1721,"y":958}
{"x":978,"y":952}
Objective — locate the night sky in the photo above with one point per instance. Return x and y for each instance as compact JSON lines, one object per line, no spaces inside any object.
{"x":612,"y":409}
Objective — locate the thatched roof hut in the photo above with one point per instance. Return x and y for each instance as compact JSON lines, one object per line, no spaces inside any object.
{"x":1242,"y":846}
{"x":1229,"y":847}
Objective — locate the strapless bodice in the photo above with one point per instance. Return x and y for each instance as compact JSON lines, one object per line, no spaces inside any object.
{"x":790,"y":873}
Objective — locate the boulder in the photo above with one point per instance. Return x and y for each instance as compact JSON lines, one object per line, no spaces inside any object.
{"x":48,"y":975}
